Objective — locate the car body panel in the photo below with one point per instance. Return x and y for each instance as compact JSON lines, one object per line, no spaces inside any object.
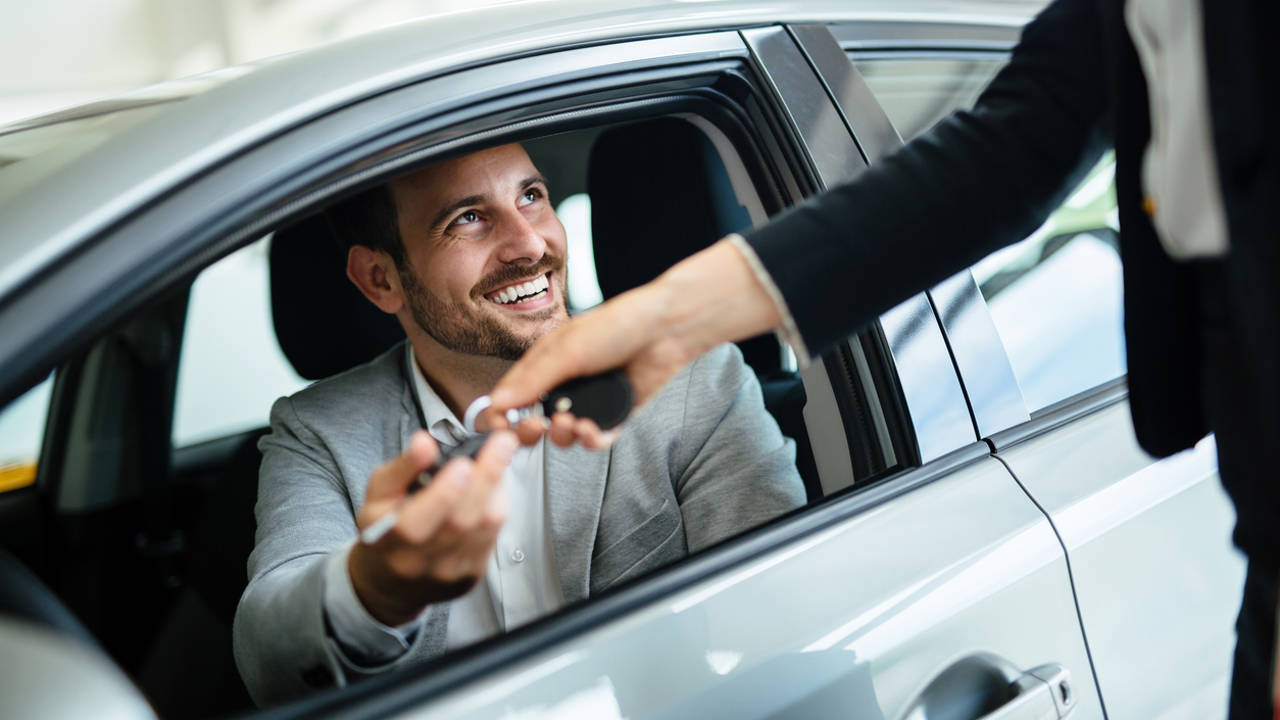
{"x":902,"y":600}
{"x":1156,"y":577}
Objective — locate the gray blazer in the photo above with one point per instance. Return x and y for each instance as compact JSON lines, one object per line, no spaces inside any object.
{"x":700,"y":462}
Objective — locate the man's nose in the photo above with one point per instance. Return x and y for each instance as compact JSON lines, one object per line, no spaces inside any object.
{"x":520,"y":240}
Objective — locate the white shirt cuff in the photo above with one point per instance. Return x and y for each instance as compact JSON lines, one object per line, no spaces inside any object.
{"x":788,"y":333}
{"x":365,"y":640}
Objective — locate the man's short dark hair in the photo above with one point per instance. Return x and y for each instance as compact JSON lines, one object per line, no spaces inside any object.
{"x":369,"y":218}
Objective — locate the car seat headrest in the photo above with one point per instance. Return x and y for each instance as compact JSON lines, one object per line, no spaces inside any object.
{"x":653,"y":201}
{"x":322,"y":321}
{"x":659,"y":193}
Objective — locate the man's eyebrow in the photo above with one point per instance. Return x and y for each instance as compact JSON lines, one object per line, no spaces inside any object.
{"x":469,"y":200}
{"x":454,"y":206}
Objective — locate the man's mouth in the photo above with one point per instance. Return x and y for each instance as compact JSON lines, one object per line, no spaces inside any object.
{"x":520,"y":292}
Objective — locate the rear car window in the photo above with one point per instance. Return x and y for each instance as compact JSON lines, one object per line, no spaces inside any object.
{"x":232,"y":368}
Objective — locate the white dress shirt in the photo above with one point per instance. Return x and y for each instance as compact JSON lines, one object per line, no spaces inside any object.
{"x":1179,"y":170}
{"x":521,"y":583}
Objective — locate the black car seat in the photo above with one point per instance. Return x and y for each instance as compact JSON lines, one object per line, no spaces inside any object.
{"x":323,"y":323}
{"x":659,"y":193}
{"x":324,"y":326}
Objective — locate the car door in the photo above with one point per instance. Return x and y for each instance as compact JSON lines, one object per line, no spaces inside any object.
{"x":925,"y":582}
{"x":1036,"y":330}
{"x":936,"y":590}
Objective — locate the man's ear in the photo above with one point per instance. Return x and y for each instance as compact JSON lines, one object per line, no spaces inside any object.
{"x":373,"y":271}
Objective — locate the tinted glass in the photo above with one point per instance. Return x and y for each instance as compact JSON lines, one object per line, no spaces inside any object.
{"x":918,"y":92}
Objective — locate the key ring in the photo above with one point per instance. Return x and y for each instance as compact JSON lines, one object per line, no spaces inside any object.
{"x":482,"y":403}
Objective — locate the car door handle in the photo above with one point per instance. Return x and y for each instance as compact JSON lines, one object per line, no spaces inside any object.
{"x":1044,"y":693}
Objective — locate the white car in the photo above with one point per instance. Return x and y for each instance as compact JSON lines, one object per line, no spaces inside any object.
{"x":983,"y":538}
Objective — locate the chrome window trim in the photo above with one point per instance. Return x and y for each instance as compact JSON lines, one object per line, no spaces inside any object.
{"x":1062,"y":413}
{"x":925,"y":36}
{"x":995,"y":398}
{"x":936,"y":402}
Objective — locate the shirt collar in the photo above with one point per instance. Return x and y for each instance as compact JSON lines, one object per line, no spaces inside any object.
{"x":442,"y":424}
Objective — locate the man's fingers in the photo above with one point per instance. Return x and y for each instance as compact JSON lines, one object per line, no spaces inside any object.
{"x":422,"y":515}
{"x":391,"y":479}
{"x":591,"y":436}
{"x":496,"y":455}
{"x":486,"y":478}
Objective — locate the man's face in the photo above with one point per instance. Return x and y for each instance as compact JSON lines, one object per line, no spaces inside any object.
{"x":485,"y":252}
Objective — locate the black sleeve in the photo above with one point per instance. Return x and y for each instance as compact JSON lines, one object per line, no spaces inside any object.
{"x":979,"y":180}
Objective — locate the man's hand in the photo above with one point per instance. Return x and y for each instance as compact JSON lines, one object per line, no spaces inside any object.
{"x":440,"y":546}
{"x":650,"y":332}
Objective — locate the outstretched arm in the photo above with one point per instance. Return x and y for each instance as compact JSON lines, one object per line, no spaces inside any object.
{"x":652,"y":331}
{"x":978,"y":181}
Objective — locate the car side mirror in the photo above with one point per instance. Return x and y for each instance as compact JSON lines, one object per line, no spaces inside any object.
{"x":44,"y":674}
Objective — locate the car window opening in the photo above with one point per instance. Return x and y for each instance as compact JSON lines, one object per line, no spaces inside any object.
{"x":658,"y":188}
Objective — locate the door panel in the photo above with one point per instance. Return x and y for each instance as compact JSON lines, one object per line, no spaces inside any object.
{"x":855,"y":620}
{"x":1156,"y":577}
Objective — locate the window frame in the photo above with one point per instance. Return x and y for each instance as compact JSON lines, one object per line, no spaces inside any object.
{"x":324,"y":154}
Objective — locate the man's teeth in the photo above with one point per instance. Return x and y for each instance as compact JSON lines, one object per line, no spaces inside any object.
{"x":522,"y":291}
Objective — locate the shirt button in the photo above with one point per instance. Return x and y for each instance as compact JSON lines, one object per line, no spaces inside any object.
{"x":517,"y":555}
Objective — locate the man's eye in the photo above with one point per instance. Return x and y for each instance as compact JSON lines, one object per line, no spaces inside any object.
{"x":530,"y":196}
{"x":467,"y":218}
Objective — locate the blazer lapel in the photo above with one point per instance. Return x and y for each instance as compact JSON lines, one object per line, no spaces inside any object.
{"x":574,"y":482}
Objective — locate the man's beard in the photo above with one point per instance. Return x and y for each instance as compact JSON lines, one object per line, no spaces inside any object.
{"x":462,"y":328}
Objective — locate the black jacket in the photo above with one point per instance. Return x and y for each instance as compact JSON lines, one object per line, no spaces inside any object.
{"x":985,"y":178}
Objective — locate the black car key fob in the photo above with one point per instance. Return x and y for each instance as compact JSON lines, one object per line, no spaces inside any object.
{"x":605,"y":398}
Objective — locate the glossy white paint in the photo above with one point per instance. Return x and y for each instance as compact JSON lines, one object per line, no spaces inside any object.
{"x":852,"y":621}
{"x":45,"y":674}
{"x":1157,"y":580}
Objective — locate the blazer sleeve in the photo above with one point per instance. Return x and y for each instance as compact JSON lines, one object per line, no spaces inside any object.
{"x":979,"y":180}
{"x":305,"y":521}
{"x":736,"y":469}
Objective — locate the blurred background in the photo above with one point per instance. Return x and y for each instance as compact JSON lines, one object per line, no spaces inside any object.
{"x":61,"y":53}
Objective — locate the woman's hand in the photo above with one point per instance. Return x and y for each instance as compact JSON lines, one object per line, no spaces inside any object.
{"x":651,"y":332}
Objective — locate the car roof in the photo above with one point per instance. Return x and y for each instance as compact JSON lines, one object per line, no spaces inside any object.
{"x":193,"y":122}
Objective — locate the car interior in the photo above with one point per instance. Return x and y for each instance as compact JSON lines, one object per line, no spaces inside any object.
{"x":139,"y":547}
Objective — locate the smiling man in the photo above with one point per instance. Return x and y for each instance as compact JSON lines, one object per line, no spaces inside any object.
{"x":469,"y":255}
